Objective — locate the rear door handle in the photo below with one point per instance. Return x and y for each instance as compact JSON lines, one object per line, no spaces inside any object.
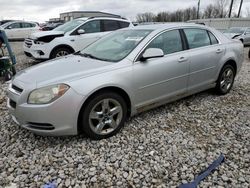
{"x":219,"y":51}
{"x":182,"y":59}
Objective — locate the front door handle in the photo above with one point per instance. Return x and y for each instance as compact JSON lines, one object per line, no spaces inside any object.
{"x":182,"y":59}
{"x":218,"y":51}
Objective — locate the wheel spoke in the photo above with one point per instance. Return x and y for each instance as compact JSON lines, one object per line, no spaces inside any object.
{"x":105,"y":105}
{"x":95,"y":115}
{"x":113,"y":123}
{"x":228,"y":73}
{"x":100,"y":127}
{"x":222,"y":83}
{"x":115,"y":110}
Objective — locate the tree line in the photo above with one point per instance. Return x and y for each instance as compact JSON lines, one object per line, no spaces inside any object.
{"x":218,"y":10}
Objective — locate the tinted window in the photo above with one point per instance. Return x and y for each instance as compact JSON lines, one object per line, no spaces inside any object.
{"x":14,"y":26}
{"x":197,"y":38}
{"x":110,"y":25}
{"x":169,"y":42}
{"x":92,"y":27}
{"x":213,"y":38}
{"x":124,"y":24}
{"x":26,"y":25}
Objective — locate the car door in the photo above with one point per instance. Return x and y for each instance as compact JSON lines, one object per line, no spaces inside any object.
{"x":13,"y":30}
{"x":92,"y":32}
{"x":25,"y":31}
{"x":163,"y":78}
{"x":246,"y":36}
{"x":205,"y":54}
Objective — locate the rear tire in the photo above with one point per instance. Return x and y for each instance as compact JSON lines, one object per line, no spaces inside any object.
{"x":60,"y":52}
{"x":103,"y":115}
{"x":226,"y":79}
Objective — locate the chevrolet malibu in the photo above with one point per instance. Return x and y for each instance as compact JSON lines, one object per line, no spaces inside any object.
{"x":129,"y":71}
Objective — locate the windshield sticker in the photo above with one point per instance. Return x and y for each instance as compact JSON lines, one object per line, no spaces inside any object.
{"x":134,"y":38}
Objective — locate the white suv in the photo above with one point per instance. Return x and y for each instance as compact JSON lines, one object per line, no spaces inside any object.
{"x":19,"y":29}
{"x":70,"y":37}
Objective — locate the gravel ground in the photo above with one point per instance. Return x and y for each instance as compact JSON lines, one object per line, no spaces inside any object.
{"x":163,"y":147}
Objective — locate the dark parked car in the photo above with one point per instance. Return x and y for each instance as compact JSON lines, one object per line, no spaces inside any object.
{"x":51,"y":26}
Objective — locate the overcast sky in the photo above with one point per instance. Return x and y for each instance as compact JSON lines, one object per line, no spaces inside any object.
{"x":42,"y":10}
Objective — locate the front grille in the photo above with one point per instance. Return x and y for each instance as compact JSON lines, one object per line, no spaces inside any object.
{"x":17,"y":89}
{"x":12,"y":104}
{"x":28,"y":42}
{"x":41,"y":126}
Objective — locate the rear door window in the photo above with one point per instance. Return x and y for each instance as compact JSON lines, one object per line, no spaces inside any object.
{"x":92,"y":26}
{"x":110,"y":25}
{"x":26,"y":25}
{"x":197,"y":38}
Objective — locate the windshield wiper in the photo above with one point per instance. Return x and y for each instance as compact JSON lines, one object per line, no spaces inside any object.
{"x":90,"y":56}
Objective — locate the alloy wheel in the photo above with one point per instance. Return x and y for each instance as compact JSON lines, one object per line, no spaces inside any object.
{"x":105,"y":116}
{"x":62,"y":53}
{"x":227,"y":79}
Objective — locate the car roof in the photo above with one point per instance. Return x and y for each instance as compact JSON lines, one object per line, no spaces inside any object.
{"x":102,"y":17}
{"x":164,"y":26}
{"x":16,"y":21}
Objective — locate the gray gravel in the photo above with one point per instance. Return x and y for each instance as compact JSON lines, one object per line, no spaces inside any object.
{"x":163,"y":147}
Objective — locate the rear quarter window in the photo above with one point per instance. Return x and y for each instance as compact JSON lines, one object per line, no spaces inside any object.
{"x":197,"y":38}
{"x":124,"y":24}
{"x":213,"y":38}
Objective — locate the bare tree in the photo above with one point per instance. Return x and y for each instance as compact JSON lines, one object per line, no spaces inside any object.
{"x":218,"y":10}
{"x":222,"y":6}
{"x":208,"y":12}
{"x":145,"y":17}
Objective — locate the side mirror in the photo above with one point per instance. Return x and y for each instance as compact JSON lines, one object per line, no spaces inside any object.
{"x":152,"y":53}
{"x":9,"y":27}
{"x":81,"y":31}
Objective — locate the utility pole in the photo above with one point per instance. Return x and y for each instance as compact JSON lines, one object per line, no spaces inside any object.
{"x":240,"y":8}
{"x":198,"y":10}
{"x":230,"y":9}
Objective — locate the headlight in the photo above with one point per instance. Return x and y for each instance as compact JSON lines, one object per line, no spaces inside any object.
{"x":47,"y":94}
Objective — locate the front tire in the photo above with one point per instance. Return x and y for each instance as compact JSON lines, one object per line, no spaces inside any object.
{"x":104,"y":115}
{"x":60,"y":52}
{"x":226,"y":79}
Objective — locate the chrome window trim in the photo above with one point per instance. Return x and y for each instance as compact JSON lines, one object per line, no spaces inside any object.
{"x":178,"y":28}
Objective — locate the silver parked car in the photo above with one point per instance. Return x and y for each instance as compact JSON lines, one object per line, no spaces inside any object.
{"x":127,"y":72}
{"x":240,"y":33}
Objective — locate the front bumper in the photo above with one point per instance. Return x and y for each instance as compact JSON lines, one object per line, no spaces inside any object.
{"x":58,"y":118}
{"x":36,"y":51}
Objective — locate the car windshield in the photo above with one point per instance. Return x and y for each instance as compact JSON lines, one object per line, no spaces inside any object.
{"x":5,"y":25}
{"x":236,"y":30}
{"x":116,"y":45}
{"x":69,"y":26}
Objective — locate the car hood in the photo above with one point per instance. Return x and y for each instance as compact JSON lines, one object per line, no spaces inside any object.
{"x":232,"y":35}
{"x":62,"y":70}
{"x":40,"y":34}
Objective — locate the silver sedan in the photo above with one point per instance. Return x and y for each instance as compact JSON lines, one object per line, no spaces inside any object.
{"x":240,"y":33}
{"x":127,"y":72}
